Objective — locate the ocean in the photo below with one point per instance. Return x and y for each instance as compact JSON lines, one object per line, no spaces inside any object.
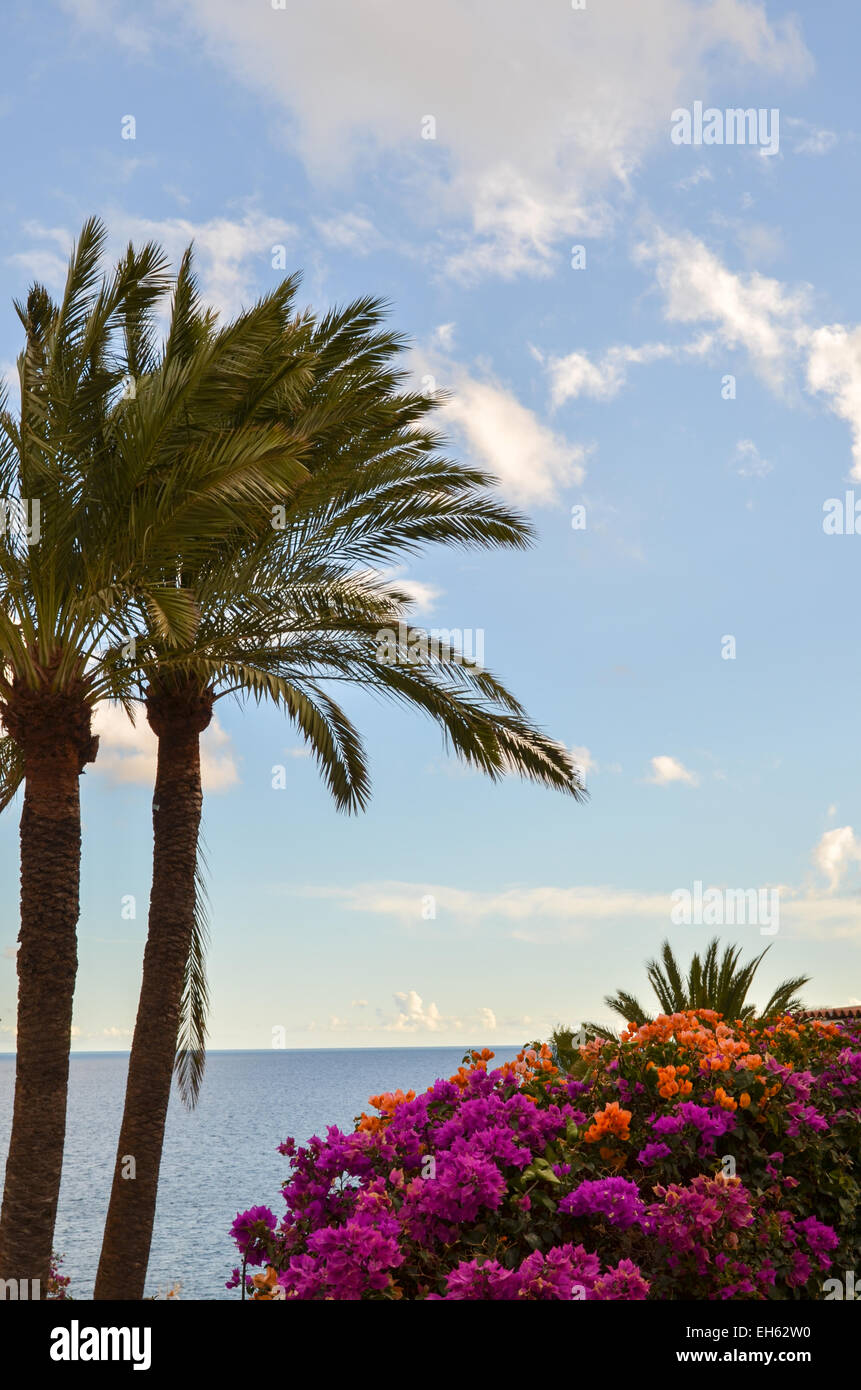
{"x":218,"y":1159}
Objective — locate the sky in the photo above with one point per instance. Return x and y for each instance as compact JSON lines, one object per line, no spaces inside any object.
{"x":649,"y":330}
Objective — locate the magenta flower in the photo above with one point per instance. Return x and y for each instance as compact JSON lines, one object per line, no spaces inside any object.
{"x":820,"y":1238}
{"x":615,"y":1198}
{"x":806,"y":1115}
{"x":471,"y":1281}
{"x":624,"y":1282}
{"x":652,"y":1152}
{"x":251,"y":1231}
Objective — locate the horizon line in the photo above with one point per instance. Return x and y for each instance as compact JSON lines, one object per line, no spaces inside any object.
{"x":211,"y":1051}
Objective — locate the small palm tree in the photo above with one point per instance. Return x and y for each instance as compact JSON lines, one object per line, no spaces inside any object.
{"x":711,"y":983}
{"x":286,"y":613}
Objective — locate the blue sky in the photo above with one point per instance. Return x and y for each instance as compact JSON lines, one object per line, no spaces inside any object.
{"x":602,"y":387}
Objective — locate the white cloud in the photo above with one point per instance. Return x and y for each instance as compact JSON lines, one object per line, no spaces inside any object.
{"x":42,"y":265}
{"x":750,"y":311}
{"x":443,"y":336}
{"x":424,"y":595}
{"x":768,"y":320}
{"x":413,"y":1016}
{"x":834,"y":369}
{"x":748,"y":461}
{"x":9,"y":374}
{"x":835,"y":853}
{"x":531,"y":141}
{"x":233,"y":256}
{"x":547,"y":915}
{"x":814,"y":140}
{"x":583,"y":761}
{"x":517,"y":227}
{"x":127,"y":752}
{"x":349,"y":231}
{"x":514,"y":905}
{"x":577,"y":375}
{"x":818,"y":142}
{"x":531,"y":461}
{"x":110,"y":18}
{"x":666,"y":770}
{"x":702,"y":174}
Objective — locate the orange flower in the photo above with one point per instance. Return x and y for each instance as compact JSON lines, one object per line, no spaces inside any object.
{"x":390,"y":1100}
{"x":526,"y":1064}
{"x":266,"y":1287}
{"x":668,"y":1086}
{"x":370,"y":1123}
{"x":724,"y":1101}
{"x":387,"y":1102}
{"x":611,"y":1120}
{"x":744,"y":1100}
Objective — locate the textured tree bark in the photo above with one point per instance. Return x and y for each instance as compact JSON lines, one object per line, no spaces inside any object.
{"x":178,"y":719}
{"x":53,"y":731}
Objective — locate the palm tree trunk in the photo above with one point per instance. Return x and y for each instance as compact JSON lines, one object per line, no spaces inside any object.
{"x":53,"y":732}
{"x":178,"y":720}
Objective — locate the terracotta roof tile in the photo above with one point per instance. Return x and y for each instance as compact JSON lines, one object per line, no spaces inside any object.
{"x":839,"y":1011}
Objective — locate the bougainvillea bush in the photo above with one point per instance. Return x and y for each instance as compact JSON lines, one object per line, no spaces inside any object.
{"x":693,"y":1158}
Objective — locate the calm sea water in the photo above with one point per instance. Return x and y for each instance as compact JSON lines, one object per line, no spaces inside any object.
{"x":218,"y":1159}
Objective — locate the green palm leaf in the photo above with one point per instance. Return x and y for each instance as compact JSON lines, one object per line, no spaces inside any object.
{"x":713,"y":982}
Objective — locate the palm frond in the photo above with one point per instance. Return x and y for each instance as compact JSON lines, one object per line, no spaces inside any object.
{"x":190,"y":1059}
{"x":11,"y":770}
{"x":713,"y":982}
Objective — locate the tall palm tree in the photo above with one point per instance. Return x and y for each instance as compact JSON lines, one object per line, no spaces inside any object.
{"x":711,"y":983}
{"x":57,"y":602}
{"x":285,"y":614}
{"x":115,"y":512}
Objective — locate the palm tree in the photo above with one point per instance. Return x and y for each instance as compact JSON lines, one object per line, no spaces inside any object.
{"x":57,"y":602}
{"x":711,"y":983}
{"x":284,"y":614}
{"x":115,"y":510}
